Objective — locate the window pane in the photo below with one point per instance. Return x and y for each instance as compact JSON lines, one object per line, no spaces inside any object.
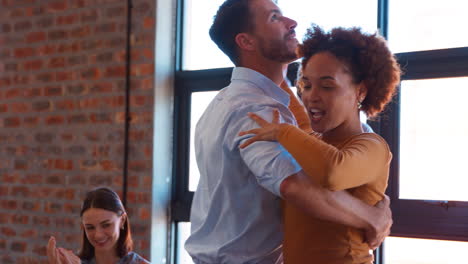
{"x":327,"y":15}
{"x":199,"y":52}
{"x":183,"y":232}
{"x":433,"y":139}
{"x":426,"y":24}
{"x":200,"y":102}
{"x":399,"y":250}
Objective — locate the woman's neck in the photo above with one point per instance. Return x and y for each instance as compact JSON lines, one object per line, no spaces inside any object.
{"x":106,"y":257}
{"x":342,"y":132}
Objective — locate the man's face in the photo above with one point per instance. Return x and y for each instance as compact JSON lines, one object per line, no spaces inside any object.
{"x":275,"y":35}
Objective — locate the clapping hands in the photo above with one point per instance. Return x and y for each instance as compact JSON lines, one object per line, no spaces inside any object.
{"x":60,"y":255}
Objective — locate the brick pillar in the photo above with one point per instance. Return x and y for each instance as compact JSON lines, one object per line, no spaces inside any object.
{"x":62,"y":103}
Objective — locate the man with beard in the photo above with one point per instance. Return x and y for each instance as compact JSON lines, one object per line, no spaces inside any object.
{"x":236,"y":210}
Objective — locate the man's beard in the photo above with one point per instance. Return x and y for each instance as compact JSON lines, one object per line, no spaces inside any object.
{"x":277,"y":50}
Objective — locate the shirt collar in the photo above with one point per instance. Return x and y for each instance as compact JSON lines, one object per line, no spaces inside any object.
{"x":261,"y":81}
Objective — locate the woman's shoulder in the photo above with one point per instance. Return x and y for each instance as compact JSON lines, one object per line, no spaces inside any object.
{"x":133,"y":258}
{"x":367,"y":140}
{"x":367,"y":136}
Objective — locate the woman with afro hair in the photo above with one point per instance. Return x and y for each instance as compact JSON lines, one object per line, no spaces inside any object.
{"x":344,"y":72}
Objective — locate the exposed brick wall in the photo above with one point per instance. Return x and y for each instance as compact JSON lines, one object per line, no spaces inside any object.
{"x":62,"y":103}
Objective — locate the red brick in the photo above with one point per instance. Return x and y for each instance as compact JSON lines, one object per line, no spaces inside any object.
{"x":57,"y":35}
{"x":41,"y":220}
{"x":34,"y":11}
{"x":41,"y":251}
{"x":45,"y":77}
{"x":12,"y":122}
{"x":41,"y":106}
{"x":46,"y":50}
{"x":3,"y":108}
{"x":19,"y":107}
{"x":24,"y":52}
{"x":89,"y":103}
{"x":36,"y":37}
{"x":115,"y":71}
{"x":45,"y":22}
{"x":67,"y":136}
{"x":6,"y":231}
{"x":31,"y":179}
{"x":103,"y":87}
{"x":55,"y":120}
{"x":57,"y":6}
{"x":89,"y":16}
{"x":22,"y":26}
{"x":77,"y":119}
{"x":18,"y":246}
{"x":118,"y":101}
{"x":67,"y":20}
{"x":148,"y":22}
{"x":32,"y":65}
{"x":142,"y":69}
{"x":20,"y":219}
{"x":65,"y":76}
{"x":52,"y":207}
{"x":101,"y":118}
{"x":80,"y":32}
{"x":57,"y":62}
{"x":21,"y":165}
{"x":105,"y":28}
{"x":53,"y":91}
{"x":138,"y":100}
{"x":66,"y":105}
{"x":4,"y":218}
{"x":31,"y":233}
{"x":91,"y":74}
{"x":32,"y":92}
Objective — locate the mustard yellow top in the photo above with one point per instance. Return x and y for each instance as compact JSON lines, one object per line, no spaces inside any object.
{"x":297,"y":109}
{"x":360,"y":165}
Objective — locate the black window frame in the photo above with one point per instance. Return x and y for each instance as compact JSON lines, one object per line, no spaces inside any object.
{"x":412,"y":218}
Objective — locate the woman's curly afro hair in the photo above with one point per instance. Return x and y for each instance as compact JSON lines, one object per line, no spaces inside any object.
{"x":368,"y":57}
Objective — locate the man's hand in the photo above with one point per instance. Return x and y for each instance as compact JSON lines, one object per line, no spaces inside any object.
{"x":380,"y":228}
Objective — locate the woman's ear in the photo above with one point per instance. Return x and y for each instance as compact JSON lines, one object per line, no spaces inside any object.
{"x":362,"y":92}
{"x":245,"y":41}
{"x":123,"y":220}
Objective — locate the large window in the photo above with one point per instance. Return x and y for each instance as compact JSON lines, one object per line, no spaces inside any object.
{"x":424,"y":125}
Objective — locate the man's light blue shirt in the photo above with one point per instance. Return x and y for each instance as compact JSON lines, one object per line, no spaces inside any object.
{"x":236,"y":214}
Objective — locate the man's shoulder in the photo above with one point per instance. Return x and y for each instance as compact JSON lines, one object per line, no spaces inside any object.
{"x":248,"y":95}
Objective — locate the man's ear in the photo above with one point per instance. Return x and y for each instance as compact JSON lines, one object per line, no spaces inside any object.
{"x":245,"y":42}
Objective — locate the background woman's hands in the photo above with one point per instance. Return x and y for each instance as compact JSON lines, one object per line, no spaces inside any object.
{"x":267,"y":131}
{"x":60,"y":255}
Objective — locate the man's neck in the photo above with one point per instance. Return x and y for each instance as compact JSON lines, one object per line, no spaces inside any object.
{"x":275,"y":71}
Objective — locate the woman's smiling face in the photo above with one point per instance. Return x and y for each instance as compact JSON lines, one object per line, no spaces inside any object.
{"x":102,"y":228}
{"x":329,"y":93}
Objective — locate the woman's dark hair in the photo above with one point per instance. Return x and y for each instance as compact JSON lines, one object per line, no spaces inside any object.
{"x":106,"y":199}
{"x":368,"y":57}
{"x":233,"y":17}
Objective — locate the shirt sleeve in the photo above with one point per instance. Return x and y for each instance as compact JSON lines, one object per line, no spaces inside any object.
{"x":358,"y":162}
{"x":268,"y":161}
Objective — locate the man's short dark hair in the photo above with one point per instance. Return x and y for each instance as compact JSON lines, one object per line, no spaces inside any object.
{"x":233,"y":17}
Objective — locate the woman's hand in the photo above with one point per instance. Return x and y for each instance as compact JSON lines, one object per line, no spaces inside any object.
{"x":68,"y":257}
{"x":266,"y":132}
{"x":52,"y":252}
{"x":60,"y":255}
